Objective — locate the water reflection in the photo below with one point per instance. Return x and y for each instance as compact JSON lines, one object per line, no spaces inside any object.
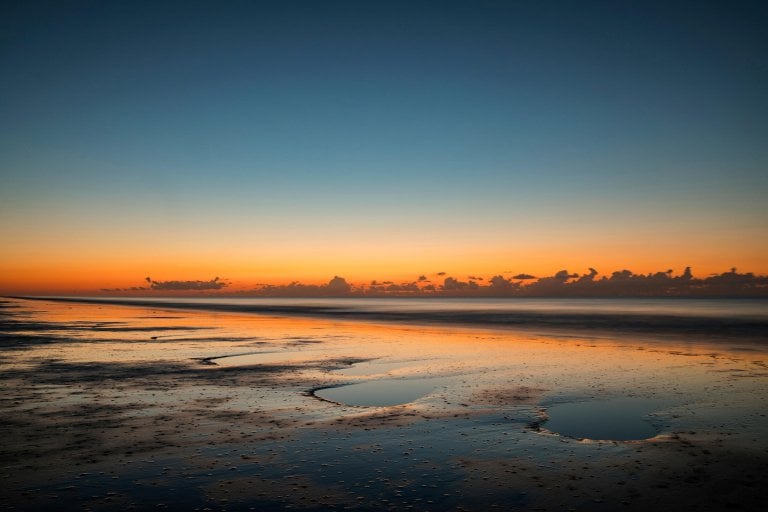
{"x":621,"y":419}
{"x":380,"y":393}
{"x":376,"y":367}
{"x":686,"y":307}
{"x":716,"y":319}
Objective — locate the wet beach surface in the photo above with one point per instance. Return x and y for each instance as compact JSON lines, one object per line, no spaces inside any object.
{"x":112,"y":406}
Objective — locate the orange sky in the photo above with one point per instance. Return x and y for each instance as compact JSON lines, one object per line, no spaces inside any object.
{"x":502,"y":137}
{"x":87,"y":265}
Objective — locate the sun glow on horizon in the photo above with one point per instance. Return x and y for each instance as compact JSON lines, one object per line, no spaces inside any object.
{"x":491,"y":140}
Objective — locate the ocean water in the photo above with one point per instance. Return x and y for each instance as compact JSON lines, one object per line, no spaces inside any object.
{"x":711,"y":318}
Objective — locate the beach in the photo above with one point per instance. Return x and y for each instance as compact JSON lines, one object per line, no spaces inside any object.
{"x":337,"y":405}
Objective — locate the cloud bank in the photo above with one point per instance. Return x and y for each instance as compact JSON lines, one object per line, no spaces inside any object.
{"x":214,"y":284}
{"x":620,"y":283}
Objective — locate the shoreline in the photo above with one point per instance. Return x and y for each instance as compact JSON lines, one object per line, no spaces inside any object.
{"x":753,"y":330}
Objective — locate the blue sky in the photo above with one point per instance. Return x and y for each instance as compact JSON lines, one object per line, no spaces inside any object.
{"x":501,"y":117}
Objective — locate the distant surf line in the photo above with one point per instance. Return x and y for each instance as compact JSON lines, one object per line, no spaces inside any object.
{"x":473,"y":313}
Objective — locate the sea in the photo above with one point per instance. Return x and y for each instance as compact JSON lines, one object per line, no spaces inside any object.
{"x":709,"y":318}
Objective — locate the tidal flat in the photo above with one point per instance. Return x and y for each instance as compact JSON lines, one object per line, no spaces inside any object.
{"x":156,"y":406}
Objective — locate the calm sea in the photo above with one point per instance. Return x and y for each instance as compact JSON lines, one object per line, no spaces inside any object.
{"x":711,"y":317}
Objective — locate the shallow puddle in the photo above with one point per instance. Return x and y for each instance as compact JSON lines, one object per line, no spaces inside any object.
{"x":256,"y":358}
{"x":621,"y":419}
{"x":380,"y":393}
{"x":373,"y":368}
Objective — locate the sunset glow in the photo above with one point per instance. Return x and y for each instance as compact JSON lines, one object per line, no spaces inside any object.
{"x":377,"y":141}
{"x":377,"y":255}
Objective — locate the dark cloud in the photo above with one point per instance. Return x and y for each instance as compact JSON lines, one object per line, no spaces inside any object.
{"x":622,"y":275}
{"x":625,"y":283}
{"x":620,"y":283}
{"x":563,"y":275}
{"x":552,"y":283}
{"x":213,"y":284}
{"x":499,"y":283}
{"x":408,"y":288}
{"x":451,"y":284}
{"x":440,"y":274}
{"x":338,"y":285}
{"x":588,"y":277}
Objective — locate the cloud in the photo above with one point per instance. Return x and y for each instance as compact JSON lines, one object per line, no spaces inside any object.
{"x":588,"y":277}
{"x":499,"y":283}
{"x":451,"y":284}
{"x":563,"y":275}
{"x":410,"y":288}
{"x":620,"y":283}
{"x":338,"y":285}
{"x":213,"y":284}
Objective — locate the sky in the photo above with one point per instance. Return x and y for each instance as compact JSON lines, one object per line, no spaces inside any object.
{"x":267,"y":142}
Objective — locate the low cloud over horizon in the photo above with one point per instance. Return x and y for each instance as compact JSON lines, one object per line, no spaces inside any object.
{"x":621,"y":283}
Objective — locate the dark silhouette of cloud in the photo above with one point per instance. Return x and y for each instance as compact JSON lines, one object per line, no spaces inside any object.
{"x":404,"y":288}
{"x":588,"y":277}
{"x":499,"y":284}
{"x":213,"y":284}
{"x":619,"y":283}
{"x":622,"y":275}
{"x":625,"y":283}
{"x":131,"y":289}
{"x":451,"y":284}
{"x":338,"y":285}
{"x":563,"y":275}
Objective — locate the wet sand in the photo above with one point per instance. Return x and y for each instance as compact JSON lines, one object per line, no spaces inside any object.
{"x":138,"y":407}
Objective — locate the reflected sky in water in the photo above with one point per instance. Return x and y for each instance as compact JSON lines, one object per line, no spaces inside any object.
{"x":380,"y":393}
{"x":621,"y":419}
{"x":747,"y":308}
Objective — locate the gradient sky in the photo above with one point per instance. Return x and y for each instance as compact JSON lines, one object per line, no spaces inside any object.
{"x":270,"y":141}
